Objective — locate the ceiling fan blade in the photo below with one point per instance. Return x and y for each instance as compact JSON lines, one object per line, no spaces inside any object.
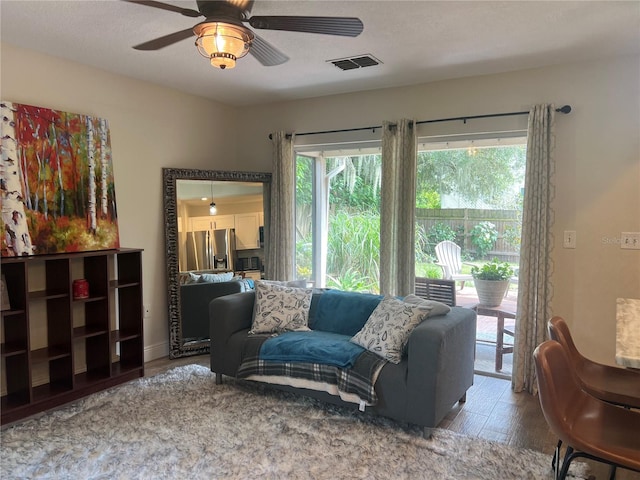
{"x":187,"y":12}
{"x":265,"y":53}
{"x":158,"y":43}
{"x":343,"y":26}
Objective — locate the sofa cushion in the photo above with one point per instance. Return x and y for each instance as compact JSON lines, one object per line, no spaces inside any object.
{"x":311,"y":347}
{"x":387,"y":330}
{"x":279,"y":308}
{"x":215,"y":277}
{"x":344,"y":312}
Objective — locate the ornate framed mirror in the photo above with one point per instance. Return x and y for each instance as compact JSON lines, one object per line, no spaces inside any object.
{"x":224,"y":188}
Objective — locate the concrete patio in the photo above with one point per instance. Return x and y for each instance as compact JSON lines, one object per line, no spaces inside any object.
{"x":486,"y":331}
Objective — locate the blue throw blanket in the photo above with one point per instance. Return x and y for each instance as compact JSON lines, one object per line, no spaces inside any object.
{"x":311,"y":347}
{"x":357,"y":380}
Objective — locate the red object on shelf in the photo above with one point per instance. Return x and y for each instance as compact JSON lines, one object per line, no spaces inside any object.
{"x":80,"y":288}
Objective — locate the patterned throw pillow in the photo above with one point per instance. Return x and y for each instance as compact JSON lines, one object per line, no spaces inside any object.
{"x":387,"y":331}
{"x":437,"y":308}
{"x":279,"y":308}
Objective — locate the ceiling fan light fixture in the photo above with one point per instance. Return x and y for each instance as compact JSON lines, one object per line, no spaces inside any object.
{"x":223,"y":43}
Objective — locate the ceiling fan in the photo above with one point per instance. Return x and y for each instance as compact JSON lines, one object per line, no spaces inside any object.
{"x":222,"y":37}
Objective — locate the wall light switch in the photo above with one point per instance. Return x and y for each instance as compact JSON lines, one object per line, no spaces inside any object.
{"x":569,"y":239}
{"x":630,"y":240}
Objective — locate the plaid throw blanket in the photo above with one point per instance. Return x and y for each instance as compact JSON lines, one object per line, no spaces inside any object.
{"x":358,"y":380}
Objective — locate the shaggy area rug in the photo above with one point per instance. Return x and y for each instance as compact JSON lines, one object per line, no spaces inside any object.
{"x":180,"y":424}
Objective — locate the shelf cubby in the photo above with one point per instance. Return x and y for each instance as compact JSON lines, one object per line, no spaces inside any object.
{"x":73,"y":338}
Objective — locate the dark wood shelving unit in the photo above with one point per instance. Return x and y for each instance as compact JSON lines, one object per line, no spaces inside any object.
{"x":48,"y":354}
{"x":90,"y":343}
{"x":90,"y":331}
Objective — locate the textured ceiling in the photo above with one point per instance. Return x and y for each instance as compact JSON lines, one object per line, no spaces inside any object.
{"x":417,"y":42}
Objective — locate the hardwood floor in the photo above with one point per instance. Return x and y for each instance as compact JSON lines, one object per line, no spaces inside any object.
{"x":492,"y":411}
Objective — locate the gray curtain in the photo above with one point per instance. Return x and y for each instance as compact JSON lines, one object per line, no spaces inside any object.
{"x":534,"y":286}
{"x":280,"y":231}
{"x":398,"y":204}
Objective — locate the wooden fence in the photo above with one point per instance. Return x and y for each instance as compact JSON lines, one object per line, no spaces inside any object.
{"x":462,"y":221}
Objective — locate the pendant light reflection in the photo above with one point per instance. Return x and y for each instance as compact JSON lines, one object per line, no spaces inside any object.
{"x":212,"y":206}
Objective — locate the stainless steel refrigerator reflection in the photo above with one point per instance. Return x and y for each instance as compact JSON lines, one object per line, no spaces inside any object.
{"x":199,"y":255}
{"x":224,"y":249}
{"x":211,"y":249}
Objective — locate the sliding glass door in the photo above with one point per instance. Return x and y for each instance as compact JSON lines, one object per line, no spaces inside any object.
{"x":470,"y":192}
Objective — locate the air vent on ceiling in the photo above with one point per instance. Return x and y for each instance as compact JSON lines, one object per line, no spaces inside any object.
{"x":352,"y":63}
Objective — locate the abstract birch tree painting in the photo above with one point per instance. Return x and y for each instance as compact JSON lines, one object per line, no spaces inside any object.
{"x":56,"y":182}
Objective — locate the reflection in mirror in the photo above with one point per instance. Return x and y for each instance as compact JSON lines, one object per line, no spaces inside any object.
{"x":214,"y":235}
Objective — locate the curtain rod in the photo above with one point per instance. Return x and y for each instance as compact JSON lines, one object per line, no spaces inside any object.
{"x":564,"y":109}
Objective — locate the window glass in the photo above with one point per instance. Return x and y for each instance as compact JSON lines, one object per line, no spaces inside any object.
{"x":470,"y":192}
{"x":338,"y":235}
{"x":461,"y":182}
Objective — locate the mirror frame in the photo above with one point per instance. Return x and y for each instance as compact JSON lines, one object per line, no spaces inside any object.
{"x":177,"y":347}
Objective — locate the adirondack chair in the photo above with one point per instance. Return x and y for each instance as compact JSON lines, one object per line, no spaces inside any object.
{"x":450,"y":260}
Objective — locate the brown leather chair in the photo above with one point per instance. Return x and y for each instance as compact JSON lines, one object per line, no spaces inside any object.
{"x":617,"y":385}
{"x":589,"y":427}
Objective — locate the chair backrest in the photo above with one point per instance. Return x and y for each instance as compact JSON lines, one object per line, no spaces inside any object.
{"x":436,"y":289}
{"x":559,"y":331}
{"x":558,"y":388}
{"x":598,"y":429}
{"x":449,"y":254}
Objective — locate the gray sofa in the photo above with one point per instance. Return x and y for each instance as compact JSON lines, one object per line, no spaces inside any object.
{"x":434,"y":374}
{"x":194,"y":305}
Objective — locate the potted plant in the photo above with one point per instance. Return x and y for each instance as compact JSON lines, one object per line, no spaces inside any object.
{"x":491,"y":281}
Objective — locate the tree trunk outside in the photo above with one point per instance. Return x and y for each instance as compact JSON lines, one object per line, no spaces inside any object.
{"x":17,"y":237}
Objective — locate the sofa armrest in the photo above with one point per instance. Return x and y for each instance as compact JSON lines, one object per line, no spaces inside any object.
{"x":441,"y":354}
{"x":229,"y":317}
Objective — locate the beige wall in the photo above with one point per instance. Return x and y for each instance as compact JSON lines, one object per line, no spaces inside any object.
{"x":151,"y":127}
{"x":597,"y":152}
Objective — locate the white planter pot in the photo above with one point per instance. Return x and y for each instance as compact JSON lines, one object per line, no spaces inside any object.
{"x":491,"y":292}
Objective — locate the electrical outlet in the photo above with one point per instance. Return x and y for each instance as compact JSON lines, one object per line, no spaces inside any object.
{"x":630,"y":240}
{"x":569,"y":239}
{"x":147,"y":311}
